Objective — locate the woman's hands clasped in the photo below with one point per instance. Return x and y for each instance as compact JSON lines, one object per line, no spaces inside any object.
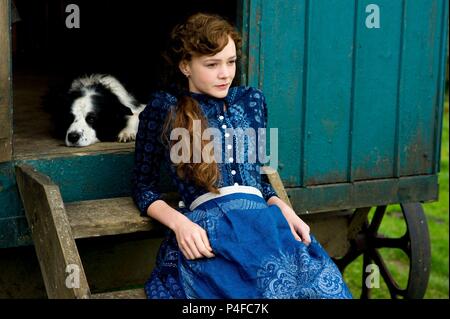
{"x":192,"y":240}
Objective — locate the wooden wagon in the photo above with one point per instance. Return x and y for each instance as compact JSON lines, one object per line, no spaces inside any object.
{"x":355,"y":89}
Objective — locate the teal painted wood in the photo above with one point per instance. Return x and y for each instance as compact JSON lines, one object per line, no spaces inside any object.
{"x":442,"y":87}
{"x":420,"y":86}
{"x":355,"y":108}
{"x":281,"y":63}
{"x":13,"y":225}
{"x":10,"y":204}
{"x":89,"y":177}
{"x":377,"y":53}
{"x":351,"y":103}
{"x":92,"y":177}
{"x":328,"y":91}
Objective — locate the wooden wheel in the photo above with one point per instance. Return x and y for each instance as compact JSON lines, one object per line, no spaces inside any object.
{"x":365,"y":240}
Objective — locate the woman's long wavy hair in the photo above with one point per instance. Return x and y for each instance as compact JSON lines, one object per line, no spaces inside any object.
{"x":202,"y":34}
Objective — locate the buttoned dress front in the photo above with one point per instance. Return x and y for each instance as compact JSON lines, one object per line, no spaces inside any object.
{"x":256,"y":255}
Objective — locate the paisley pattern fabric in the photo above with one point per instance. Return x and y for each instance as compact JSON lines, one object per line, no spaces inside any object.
{"x":256,"y":256}
{"x":246,"y":109}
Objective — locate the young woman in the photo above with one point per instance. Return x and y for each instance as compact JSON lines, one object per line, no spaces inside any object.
{"x":234,"y":237}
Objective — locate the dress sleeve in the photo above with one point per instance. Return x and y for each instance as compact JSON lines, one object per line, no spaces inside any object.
{"x":266,"y":188}
{"x":148,"y":157}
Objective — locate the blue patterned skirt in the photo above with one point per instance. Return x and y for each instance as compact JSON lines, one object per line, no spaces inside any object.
{"x":256,"y":256}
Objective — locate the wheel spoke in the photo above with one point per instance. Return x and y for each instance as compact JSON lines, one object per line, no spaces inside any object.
{"x":343,"y":262}
{"x":365,"y":291}
{"x":377,"y":218}
{"x":385,"y":242}
{"x":393,"y":287}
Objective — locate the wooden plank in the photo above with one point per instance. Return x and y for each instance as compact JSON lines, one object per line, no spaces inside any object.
{"x":242,"y":24}
{"x":376,"y":67}
{"x":419,"y":86}
{"x":111,"y":216}
{"x":52,"y":235}
{"x":328,"y":88}
{"x":89,"y":177}
{"x":331,"y":230}
{"x":278,"y":52}
{"x":123,"y":294}
{"x":443,"y":79}
{"x":104,"y":217}
{"x":5,"y":83}
{"x":364,"y":194}
{"x":277,"y":184}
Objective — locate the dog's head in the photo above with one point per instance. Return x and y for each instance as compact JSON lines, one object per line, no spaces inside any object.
{"x":89,"y":111}
{"x":95,"y":114}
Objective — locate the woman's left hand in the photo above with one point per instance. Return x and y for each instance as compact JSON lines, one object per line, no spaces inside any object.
{"x":300,"y":230}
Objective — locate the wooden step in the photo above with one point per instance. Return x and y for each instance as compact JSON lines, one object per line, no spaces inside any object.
{"x":112,"y":216}
{"x":52,"y":235}
{"x":55,"y":225}
{"x":122,"y":294}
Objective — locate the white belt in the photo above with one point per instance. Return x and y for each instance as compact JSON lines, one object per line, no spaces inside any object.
{"x":225,"y":191}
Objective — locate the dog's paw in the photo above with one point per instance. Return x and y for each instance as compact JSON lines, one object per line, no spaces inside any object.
{"x":126,"y":136}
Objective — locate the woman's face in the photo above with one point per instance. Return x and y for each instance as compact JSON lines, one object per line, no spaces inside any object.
{"x":212,"y":75}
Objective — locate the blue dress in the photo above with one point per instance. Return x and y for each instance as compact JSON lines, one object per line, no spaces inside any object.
{"x":256,"y":255}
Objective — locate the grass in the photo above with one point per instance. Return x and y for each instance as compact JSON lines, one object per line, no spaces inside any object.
{"x":393,"y":226}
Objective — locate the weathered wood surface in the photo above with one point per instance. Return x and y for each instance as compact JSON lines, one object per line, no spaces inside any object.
{"x":331,"y":230}
{"x":110,"y":216}
{"x":5,"y":84}
{"x":277,"y":184}
{"x":381,"y":117}
{"x":52,"y":235}
{"x":104,"y":217}
{"x":123,"y":294}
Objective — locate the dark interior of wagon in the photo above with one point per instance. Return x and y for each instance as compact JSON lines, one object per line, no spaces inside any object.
{"x":123,"y":38}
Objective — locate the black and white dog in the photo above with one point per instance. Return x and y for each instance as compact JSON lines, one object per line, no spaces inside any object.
{"x":94,"y":108}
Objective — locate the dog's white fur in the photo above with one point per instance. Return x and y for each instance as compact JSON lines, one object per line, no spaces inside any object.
{"x":83,"y":105}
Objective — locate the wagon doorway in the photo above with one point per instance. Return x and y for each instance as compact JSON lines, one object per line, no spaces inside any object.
{"x":57,"y":40}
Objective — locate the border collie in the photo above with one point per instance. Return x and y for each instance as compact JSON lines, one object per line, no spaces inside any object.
{"x":94,"y":108}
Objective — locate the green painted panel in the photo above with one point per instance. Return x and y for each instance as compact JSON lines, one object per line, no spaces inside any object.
{"x":420,"y":86}
{"x":92,"y":177}
{"x":377,"y":56}
{"x":373,"y":193}
{"x":328,"y":91}
{"x":351,"y":102}
{"x":442,"y":88}
{"x":10,"y":204}
{"x":281,"y":65}
{"x":88,"y":177}
{"x":14,"y":232}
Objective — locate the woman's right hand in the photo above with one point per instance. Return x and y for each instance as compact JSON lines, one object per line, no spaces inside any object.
{"x":192,"y":240}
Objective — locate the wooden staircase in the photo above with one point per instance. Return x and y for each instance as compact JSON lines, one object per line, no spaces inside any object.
{"x":55,"y":227}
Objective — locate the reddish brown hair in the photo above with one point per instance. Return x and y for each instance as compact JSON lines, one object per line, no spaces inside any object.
{"x":202,"y":34}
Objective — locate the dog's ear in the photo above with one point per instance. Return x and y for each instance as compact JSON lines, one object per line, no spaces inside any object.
{"x":57,"y":101}
{"x":123,"y":110}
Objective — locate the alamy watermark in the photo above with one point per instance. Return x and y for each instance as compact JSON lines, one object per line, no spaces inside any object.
{"x":73,"y":17}
{"x":373,"y":277}
{"x":372,"y":20}
{"x":242,"y":146}
{"x":73,"y":277}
